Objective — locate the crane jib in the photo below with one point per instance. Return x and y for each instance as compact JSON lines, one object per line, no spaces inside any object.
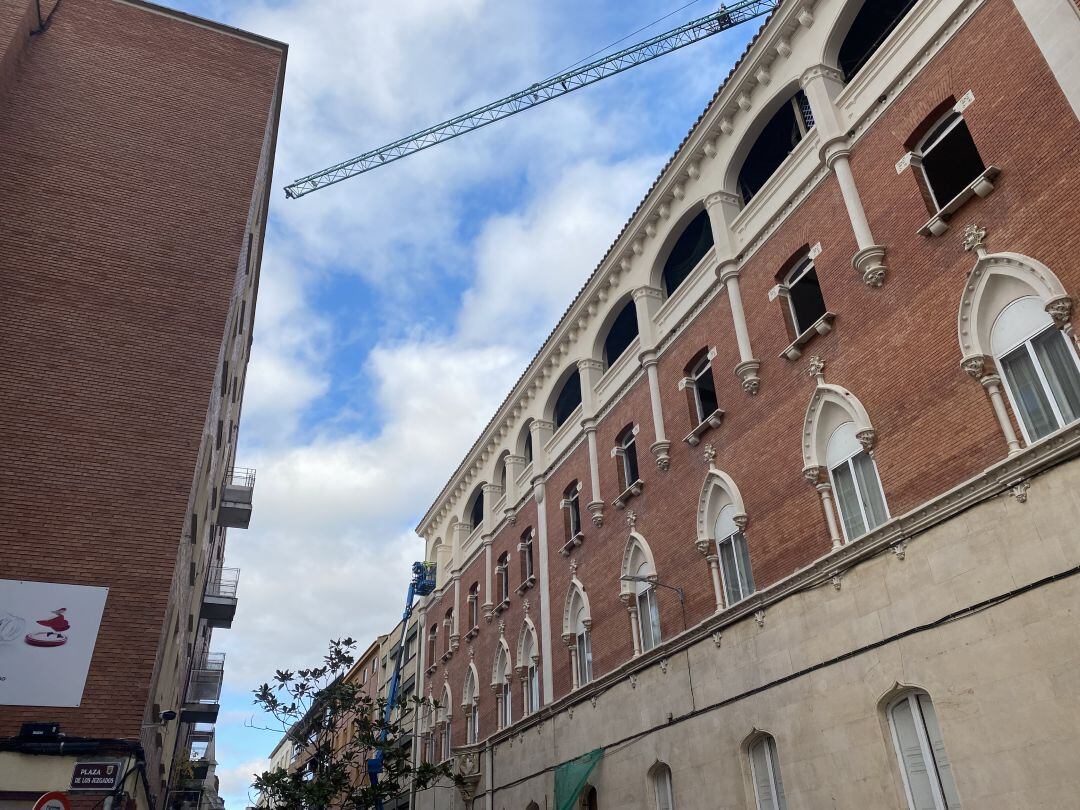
{"x":695,"y":31}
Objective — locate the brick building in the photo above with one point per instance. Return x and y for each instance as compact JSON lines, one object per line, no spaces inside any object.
{"x":783,"y":513}
{"x":136,"y":149}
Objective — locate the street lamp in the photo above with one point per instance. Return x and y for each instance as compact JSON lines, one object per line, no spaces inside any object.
{"x":657,"y":583}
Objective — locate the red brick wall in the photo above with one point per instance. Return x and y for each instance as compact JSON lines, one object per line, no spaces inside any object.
{"x":895,"y":348}
{"x":129,"y":144}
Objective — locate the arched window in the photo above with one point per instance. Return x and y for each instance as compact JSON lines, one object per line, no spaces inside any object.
{"x":702,"y":388}
{"x":476,"y":508}
{"x":920,"y":749}
{"x":765,"y":771}
{"x":470,"y":702}
{"x":526,"y":445}
{"x":502,"y":678}
{"x":433,"y":644}
{"x":660,"y":776}
{"x":502,"y":578}
{"x":626,"y":455}
{"x":802,"y":289}
{"x":528,"y":660}
{"x":874,"y":22}
{"x":1040,"y":368}
{"x":571,"y":503}
{"x":734,"y":556}
{"x":948,"y":158}
{"x":448,"y":627}
{"x":777,"y":140}
{"x":443,"y":718}
{"x":855,"y":480}
{"x":621,"y":333}
{"x":639,"y":575}
{"x":689,"y":249}
{"x":474,"y":605}
{"x":501,"y":470}
{"x":576,"y":625}
{"x":526,"y":548}
{"x":568,"y":400}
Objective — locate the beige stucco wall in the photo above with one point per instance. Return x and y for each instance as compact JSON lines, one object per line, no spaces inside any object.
{"x":1005,"y":681}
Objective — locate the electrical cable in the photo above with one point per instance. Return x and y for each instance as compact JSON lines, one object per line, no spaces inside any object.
{"x":43,"y":24}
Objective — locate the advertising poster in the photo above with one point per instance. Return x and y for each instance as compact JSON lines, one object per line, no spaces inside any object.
{"x":47,"y":637}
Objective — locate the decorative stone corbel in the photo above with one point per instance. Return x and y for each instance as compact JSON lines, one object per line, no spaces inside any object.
{"x":899,"y":550}
{"x":867,"y":438}
{"x":1019,"y":490}
{"x":664,"y":665}
{"x":759,"y":617}
{"x":836,"y":580}
{"x":747,"y":372}
{"x":596,"y":510}
{"x":870,"y":262}
{"x":716,"y":637}
{"x":973,"y":239}
{"x":710,"y":454}
{"x":633,"y":681}
{"x":663,"y":457}
{"x":631,"y":518}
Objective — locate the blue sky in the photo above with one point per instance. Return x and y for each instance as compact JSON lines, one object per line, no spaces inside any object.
{"x":397,"y":308}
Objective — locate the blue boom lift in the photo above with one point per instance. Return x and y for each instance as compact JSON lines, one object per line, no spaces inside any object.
{"x":421,"y":584}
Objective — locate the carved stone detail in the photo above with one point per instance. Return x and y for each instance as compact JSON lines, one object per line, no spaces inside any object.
{"x":867,"y":438}
{"x":631,"y":518}
{"x":813,"y":474}
{"x":709,"y":454}
{"x":870,"y":262}
{"x":633,"y":681}
{"x":817,"y":369}
{"x":973,"y":238}
{"x":759,"y":617}
{"x":664,"y":665}
{"x":1060,"y":310}
{"x":747,"y":371}
{"x":974,"y":367}
{"x":596,"y":509}
{"x":1019,"y":490}
{"x":836,"y":580}
{"x":716,"y":637}
{"x":899,"y":550}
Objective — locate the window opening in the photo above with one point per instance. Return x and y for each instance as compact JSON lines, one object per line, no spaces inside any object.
{"x":527,"y":450}
{"x":568,"y":400}
{"x":855,"y":480}
{"x":705,"y":401}
{"x":433,"y":646}
{"x":474,"y":599}
{"x":949,"y":159}
{"x":503,"y":579}
{"x":476,"y":509}
{"x":572,"y":502}
{"x":788,"y":126}
{"x":734,"y":557}
{"x":628,"y":456}
{"x":665,"y":799}
{"x":920,"y":748}
{"x":871,"y":27}
{"x":527,"y":553}
{"x":621,"y":334}
{"x":690,"y":248}
{"x":765,"y":770}
{"x":805,"y":300}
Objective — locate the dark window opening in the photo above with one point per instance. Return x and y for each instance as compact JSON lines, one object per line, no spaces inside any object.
{"x":690,"y":248}
{"x":503,"y":578}
{"x":628,"y":456}
{"x":502,"y":475}
{"x":474,"y":600}
{"x":777,"y":140}
{"x":621,"y":334}
{"x":950,"y":159}
{"x":476,"y":509}
{"x":874,"y":22}
{"x":527,"y":449}
{"x":569,"y":399}
{"x":804,"y":297}
{"x":573,"y":511}
{"x":704,"y":390}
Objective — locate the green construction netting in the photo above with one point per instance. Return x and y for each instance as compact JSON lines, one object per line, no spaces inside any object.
{"x":570,"y":778}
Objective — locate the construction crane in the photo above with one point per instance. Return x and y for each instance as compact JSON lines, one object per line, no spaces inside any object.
{"x":422,"y":583}
{"x":724,"y":18}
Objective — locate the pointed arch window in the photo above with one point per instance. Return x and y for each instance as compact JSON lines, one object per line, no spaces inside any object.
{"x":662,"y":788}
{"x":855,"y":480}
{"x":577,"y":623}
{"x":734,"y":557}
{"x":433,"y":644}
{"x":502,"y":682}
{"x":1040,"y":368}
{"x":443,"y":718}
{"x":639,"y":575}
{"x":920,"y":749}
{"x":528,"y":658}
{"x":778,"y":139}
{"x":472,"y":707}
{"x":765,"y":771}
{"x":690,"y":248}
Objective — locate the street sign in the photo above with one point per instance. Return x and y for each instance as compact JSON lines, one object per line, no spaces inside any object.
{"x":53,"y":801}
{"x":91,"y":776}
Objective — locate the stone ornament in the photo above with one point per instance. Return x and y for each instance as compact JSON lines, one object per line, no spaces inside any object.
{"x":759,"y":617}
{"x":709,"y":454}
{"x":664,"y":665}
{"x":817,"y":369}
{"x":1060,"y":311}
{"x":716,"y":637}
{"x":631,"y":518}
{"x":867,"y":438}
{"x":973,"y":239}
{"x":1019,"y":490}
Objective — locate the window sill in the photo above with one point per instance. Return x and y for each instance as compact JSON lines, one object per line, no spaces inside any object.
{"x":713,"y":420}
{"x":446,"y":656}
{"x":630,"y":492}
{"x":572,"y":543}
{"x":430,"y":670}
{"x":528,"y":583}
{"x":503,"y":605}
{"x":822,"y":326}
{"x":981,"y":186}
{"x":472,"y":633}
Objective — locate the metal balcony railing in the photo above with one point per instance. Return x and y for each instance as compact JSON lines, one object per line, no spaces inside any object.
{"x":234,"y":509}
{"x":222,"y":583}
{"x":240,"y":477}
{"x":199,"y":750}
{"x":204,"y":686}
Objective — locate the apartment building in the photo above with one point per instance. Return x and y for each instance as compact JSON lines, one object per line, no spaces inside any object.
{"x":783,"y":512}
{"x":136,"y":151}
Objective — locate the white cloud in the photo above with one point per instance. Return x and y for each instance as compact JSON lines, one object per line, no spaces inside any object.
{"x":236,"y":780}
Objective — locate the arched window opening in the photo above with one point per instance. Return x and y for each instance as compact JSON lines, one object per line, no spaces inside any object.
{"x":526,"y":548}
{"x":474,"y":606}
{"x":702,"y":388}
{"x":1040,"y":367}
{"x":433,"y":644}
{"x":765,"y":771}
{"x":689,"y":249}
{"x":443,"y":719}
{"x":949,"y":159}
{"x":528,"y":659}
{"x":639,"y":575}
{"x":855,"y":480}
{"x":802,"y":289}
{"x":502,"y":473}
{"x":568,"y":400}
{"x":621,"y":334}
{"x":502,"y":579}
{"x":576,"y":626}
{"x":589,"y":800}
{"x":476,"y":508}
{"x":472,"y":707}
{"x":503,"y":680}
{"x":571,"y":504}
{"x":448,"y":628}
{"x":626,"y":454}
{"x":532,"y":806}
{"x":788,"y":126}
{"x":871,"y":26}
{"x":734,"y":557}
{"x":527,"y":449}
{"x":660,"y":776}
{"x":920,"y":749}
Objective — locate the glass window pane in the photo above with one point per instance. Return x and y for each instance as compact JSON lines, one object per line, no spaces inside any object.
{"x":631,"y":463}
{"x":1059,"y":366}
{"x":807,"y":302}
{"x":743,"y":554}
{"x":873,"y":500}
{"x":732,"y":590}
{"x":847,"y":500}
{"x":937,"y":747}
{"x":763,"y":787}
{"x":1028,"y":393}
{"x":778,"y":783}
{"x":911,"y":757}
{"x":662,"y":784}
{"x":706,"y":393}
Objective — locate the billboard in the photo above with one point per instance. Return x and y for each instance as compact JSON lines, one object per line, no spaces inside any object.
{"x":47,"y":636}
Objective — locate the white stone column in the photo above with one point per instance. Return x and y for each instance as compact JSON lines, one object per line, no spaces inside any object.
{"x":815,"y":475}
{"x":982,"y":369}
{"x":570,"y":640}
{"x":705,"y":547}
{"x":723,"y":208}
{"x":821,"y":84}
{"x":591,"y":371}
{"x":455,"y":635}
{"x":544,"y":579}
{"x":514,"y":466}
{"x":646,"y":301}
{"x":1055,"y":27}
{"x":488,"y":607}
{"x":630,"y":600}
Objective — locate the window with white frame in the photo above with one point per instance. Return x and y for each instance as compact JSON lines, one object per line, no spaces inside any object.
{"x":446,"y":741}
{"x":472,"y":708}
{"x":662,"y":789}
{"x":474,"y":605}
{"x":503,"y":680}
{"x":855,"y":481}
{"x":920,"y":749}
{"x":626,"y":451}
{"x":579,"y":623}
{"x":1040,"y":368}
{"x":572,"y":504}
{"x":648,"y":607}
{"x":734,"y":557}
{"x":803,"y":292}
{"x":948,"y":158}
{"x":448,"y":627}
{"x":765,"y":772}
{"x":703,"y":389}
{"x":502,"y":578}
{"x":531,"y":682}
{"x":527,"y":554}
{"x":433,"y":644}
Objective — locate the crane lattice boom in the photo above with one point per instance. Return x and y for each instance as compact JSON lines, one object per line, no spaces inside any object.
{"x":691,"y":32}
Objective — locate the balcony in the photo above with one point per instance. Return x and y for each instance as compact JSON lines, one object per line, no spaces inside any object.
{"x":202,"y":702}
{"x":201,"y":753}
{"x":219,"y":598}
{"x":234,"y":510}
